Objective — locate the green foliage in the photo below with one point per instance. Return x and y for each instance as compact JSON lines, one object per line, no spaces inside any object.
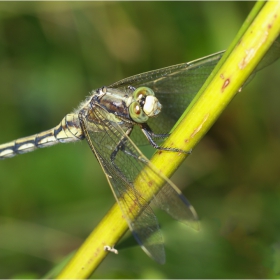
{"x":52,"y":54}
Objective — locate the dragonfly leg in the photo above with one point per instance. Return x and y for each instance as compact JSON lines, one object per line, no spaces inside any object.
{"x":121,"y":147}
{"x":150,"y":135}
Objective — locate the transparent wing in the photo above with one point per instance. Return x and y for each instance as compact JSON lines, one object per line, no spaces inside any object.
{"x":122,"y":170}
{"x":176,"y":86}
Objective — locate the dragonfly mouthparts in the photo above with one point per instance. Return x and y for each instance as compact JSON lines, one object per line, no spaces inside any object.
{"x":152,"y":106}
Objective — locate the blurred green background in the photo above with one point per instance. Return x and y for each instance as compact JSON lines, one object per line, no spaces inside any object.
{"x":52,"y":54}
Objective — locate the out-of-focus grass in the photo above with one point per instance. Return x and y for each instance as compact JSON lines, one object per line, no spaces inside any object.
{"x":51,"y":56}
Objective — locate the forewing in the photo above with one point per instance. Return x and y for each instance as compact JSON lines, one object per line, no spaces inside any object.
{"x":175,"y":87}
{"x":123,"y":172}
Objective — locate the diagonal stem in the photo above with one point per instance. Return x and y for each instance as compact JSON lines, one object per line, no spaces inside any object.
{"x":195,"y":123}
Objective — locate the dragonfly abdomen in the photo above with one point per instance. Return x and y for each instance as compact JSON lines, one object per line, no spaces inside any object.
{"x":68,"y":130}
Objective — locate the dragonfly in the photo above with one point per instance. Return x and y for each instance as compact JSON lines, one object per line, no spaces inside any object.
{"x":114,"y":120}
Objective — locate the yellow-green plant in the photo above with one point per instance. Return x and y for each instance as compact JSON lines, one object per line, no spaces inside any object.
{"x":255,"y":38}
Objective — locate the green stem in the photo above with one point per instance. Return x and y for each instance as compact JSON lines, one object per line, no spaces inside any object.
{"x":230,"y":77}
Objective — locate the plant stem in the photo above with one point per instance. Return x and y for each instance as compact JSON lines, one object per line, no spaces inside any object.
{"x":229,"y":78}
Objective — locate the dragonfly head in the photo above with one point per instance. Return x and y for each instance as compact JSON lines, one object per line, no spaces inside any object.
{"x":144,"y":105}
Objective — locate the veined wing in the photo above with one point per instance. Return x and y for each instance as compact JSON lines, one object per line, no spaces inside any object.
{"x":127,"y":166}
{"x":176,"y":86}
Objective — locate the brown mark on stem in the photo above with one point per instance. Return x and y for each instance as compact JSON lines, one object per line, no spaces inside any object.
{"x":225,"y":84}
{"x":247,"y":58}
{"x":200,"y":126}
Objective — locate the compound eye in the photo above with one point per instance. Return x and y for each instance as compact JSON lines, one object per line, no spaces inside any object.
{"x":136,"y":113}
{"x":142,"y":92}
